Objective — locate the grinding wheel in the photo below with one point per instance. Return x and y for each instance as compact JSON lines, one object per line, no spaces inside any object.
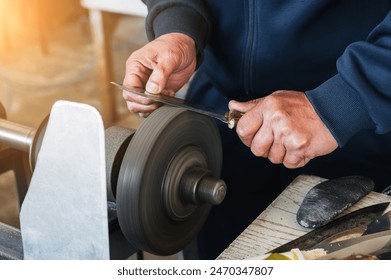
{"x":173,"y":150}
{"x":116,"y":142}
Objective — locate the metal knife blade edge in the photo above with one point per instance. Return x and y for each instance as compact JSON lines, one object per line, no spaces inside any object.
{"x":371,"y":244}
{"x":351,"y":221}
{"x":174,"y":101}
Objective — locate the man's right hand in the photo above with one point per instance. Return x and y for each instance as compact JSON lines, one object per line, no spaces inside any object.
{"x":164,"y":65}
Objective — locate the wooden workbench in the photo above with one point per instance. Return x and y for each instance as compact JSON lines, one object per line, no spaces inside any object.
{"x":277,"y":224}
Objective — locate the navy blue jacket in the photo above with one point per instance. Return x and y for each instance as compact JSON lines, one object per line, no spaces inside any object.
{"x":337,"y":51}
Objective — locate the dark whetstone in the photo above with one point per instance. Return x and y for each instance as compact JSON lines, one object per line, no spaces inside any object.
{"x":328,"y":199}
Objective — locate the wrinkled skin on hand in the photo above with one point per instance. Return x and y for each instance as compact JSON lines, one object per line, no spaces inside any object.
{"x":164,"y":65}
{"x":284,"y":128}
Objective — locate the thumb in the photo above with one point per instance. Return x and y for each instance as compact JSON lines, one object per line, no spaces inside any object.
{"x":157,"y":81}
{"x":241,"y":106}
{"x":159,"y":77}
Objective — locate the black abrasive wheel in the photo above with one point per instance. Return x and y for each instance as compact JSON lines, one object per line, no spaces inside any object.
{"x":173,"y":150}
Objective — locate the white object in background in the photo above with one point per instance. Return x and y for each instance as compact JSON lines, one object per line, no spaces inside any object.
{"x":129,"y":7}
{"x":64,"y":214}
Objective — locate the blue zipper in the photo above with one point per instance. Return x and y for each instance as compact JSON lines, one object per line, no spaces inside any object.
{"x":248,"y":51}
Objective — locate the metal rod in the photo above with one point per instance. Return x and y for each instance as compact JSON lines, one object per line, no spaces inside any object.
{"x":16,"y":135}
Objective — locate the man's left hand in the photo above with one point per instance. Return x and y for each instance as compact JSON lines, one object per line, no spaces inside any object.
{"x":283,"y":127}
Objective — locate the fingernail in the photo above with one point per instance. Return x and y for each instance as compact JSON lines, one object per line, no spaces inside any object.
{"x":152,"y":87}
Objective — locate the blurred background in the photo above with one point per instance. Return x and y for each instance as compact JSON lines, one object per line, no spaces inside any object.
{"x":63,"y":50}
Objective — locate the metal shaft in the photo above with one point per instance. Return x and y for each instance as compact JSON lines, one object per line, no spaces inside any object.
{"x":16,"y":136}
{"x":199,"y":186}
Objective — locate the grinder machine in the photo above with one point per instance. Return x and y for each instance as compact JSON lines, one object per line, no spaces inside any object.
{"x":161,"y":181}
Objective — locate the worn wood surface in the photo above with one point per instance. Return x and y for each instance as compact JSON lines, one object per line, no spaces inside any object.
{"x":277,"y":224}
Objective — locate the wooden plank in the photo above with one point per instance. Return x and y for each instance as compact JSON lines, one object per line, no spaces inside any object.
{"x":277,"y":224}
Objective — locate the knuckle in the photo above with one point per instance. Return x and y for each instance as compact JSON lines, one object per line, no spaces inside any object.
{"x":300,"y":143}
{"x":132,"y":60}
{"x":245,"y":142}
{"x":242,"y":131}
{"x":296,"y":142}
{"x":134,"y":67}
{"x":274,"y":158}
{"x":292,"y":161}
{"x":271,"y":101}
{"x":131,"y":107}
{"x":129,"y":61}
{"x":145,"y":101}
{"x":259,"y":151}
{"x":125,"y":96}
{"x":296,"y":160}
{"x":168,"y":57}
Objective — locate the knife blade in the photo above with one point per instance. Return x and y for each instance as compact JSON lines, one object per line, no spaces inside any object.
{"x":231,"y":117}
{"x":355,"y":222}
{"x":380,"y":224}
{"x":372,"y":244}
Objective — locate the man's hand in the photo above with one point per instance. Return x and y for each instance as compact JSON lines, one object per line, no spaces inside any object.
{"x":163,"y":65}
{"x":283,"y":127}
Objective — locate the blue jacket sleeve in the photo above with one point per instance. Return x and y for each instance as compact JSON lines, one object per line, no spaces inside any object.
{"x":189,"y":17}
{"x":359,"y":96}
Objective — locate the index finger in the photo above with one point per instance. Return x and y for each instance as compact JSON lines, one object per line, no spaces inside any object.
{"x":249,"y":124}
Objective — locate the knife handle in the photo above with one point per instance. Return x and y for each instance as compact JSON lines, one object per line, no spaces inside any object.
{"x":233,"y":117}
